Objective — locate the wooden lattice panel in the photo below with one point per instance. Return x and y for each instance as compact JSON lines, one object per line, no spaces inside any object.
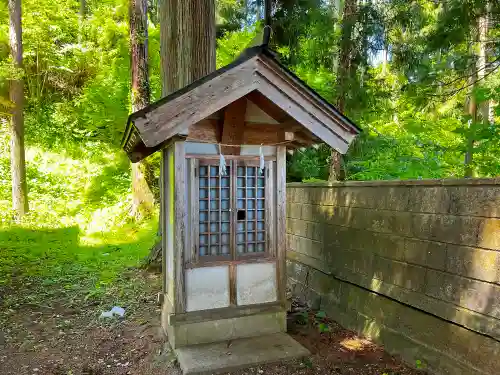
{"x":231,"y":210}
{"x":214,"y":211}
{"x":250,"y":204}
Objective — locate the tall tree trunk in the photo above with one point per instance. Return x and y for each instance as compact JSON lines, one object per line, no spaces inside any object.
{"x":344,"y":75}
{"x":17,"y":157}
{"x":484,"y":106}
{"x":478,"y":113}
{"x":187,"y":42}
{"x":187,"y":52}
{"x":142,"y":196}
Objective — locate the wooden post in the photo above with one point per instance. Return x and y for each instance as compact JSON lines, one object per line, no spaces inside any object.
{"x":163,"y":215}
{"x":194,"y":219}
{"x":281,"y":222}
{"x":179,"y":225}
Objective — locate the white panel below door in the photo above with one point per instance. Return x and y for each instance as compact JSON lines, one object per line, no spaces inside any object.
{"x":207,"y":288}
{"x":256,"y":283}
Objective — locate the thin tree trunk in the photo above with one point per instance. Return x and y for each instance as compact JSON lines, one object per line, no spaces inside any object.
{"x":344,"y":73}
{"x":484,"y":106}
{"x":17,"y":156}
{"x":479,"y":113}
{"x":472,"y":111}
{"x":187,"y":52}
{"x":491,"y":23}
{"x":385,"y":58}
{"x":142,"y":196}
{"x":83,"y":9}
{"x":83,"y":16}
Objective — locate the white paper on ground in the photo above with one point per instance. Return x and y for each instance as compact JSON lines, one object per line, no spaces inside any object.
{"x":116,"y":310}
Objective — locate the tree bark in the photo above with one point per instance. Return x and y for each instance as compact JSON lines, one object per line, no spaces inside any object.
{"x":479,"y":113}
{"x":484,"y":106}
{"x":344,"y":73}
{"x":17,"y":155}
{"x":187,"y":52}
{"x":187,"y":42}
{"x":142,"y":196}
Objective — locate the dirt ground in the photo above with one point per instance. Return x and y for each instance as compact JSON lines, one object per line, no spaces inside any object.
{"x":61,"y":339}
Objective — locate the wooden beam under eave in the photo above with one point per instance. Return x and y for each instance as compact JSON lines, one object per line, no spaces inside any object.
{"x":234,"y":126}
{"x":253,"y":134}
{"x":268,"y":107}
{"x":302,"y":138}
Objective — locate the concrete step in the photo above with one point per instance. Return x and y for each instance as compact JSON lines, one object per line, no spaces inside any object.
{"x":240,"y":353}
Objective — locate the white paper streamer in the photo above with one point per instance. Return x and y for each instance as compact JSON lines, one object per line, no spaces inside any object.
{"x":222,"y":163}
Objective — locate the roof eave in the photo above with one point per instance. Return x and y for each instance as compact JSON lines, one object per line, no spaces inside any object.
{"x":347,"y":122}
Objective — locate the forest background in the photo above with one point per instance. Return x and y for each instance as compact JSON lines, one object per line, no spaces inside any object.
{"x":419,"y":77}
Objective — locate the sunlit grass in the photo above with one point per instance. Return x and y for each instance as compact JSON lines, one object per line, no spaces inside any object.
{"x":78,"y":236}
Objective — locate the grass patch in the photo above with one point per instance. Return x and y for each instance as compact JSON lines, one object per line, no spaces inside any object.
{"x":78,"y":238}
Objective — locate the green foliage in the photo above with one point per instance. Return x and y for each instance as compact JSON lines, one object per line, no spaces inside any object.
{"x":320,"y":315}
{"x":319,"y":320}
{"x":418,"y":364}
{"x":309,"y":164}
{"x":232,"y":44}
{"x":78,"y":236}
{"x":411,"y":111}
{"x":77,"y":89}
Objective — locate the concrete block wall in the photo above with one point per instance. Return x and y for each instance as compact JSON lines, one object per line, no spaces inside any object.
{"x":413,"y":264}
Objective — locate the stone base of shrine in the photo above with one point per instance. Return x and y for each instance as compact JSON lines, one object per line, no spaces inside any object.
{"x":219,"y":325}
{"x":240,"y":353}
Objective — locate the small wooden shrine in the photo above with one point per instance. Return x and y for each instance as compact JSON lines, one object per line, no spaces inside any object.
{"x":223,"y":217}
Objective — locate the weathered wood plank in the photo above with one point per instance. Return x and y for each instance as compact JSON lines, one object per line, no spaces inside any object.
{"x":180,"y":212}
{"x":281,"y":222}
{"x":232,"y":285}
{"x":163,"y":216}
{"x":229,"y":157}
{"x":194,"y":219}
{"x":303,"y":116}
{"x":177,"y":115}
{"x":234,"y":126}
{"x":301,"y":98}
{"x":270,"y":108}
{"x":298,"y":92}
{"x":270,"y":210}
{"x":256,"y":115}
{"x":225,"y":262}
{"x":170,"y":220}
{"x":205,"y":130}
{"x":262,"y":134}
{"x":254,"y":133}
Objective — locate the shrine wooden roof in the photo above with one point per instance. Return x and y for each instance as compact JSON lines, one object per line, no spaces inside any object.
{"x":256,"y":75}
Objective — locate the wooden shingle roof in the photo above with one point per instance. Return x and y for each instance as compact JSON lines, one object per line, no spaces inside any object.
{"x":257,"y":75}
